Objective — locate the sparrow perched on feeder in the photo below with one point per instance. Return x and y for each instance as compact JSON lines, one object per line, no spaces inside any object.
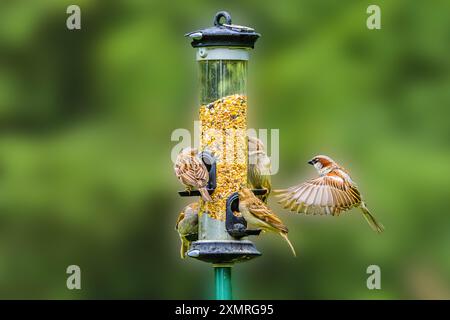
{"x":256,"y":213}
{"x":187,"y":227}
{"x":331,"y":193}
{"x":192,"y":172}
{"x":259,"y":167}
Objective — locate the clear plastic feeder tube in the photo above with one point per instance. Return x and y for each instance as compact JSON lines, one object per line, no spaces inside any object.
{"x":221,"y":78}
{"x":223,"y":117}
{"x":222,"y":57}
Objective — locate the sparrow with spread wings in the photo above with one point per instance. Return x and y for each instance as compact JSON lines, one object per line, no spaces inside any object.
{"x":192,"y":172}
{"x":331,"y":193}
{"x":256,"y":213}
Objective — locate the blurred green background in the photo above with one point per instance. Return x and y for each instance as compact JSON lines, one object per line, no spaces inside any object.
{"x":86,"y":118}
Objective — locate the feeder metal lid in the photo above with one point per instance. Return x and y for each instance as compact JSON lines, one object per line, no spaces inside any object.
{"x":224,"y":34}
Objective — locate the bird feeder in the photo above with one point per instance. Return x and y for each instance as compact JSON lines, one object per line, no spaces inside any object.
{"x":222,"y":57}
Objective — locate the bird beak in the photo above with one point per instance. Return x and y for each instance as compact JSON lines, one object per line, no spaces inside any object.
{"x":311,"y":162}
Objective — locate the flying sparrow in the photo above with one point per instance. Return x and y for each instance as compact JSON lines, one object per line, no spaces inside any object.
{"x":187,"y":227}
{"x":259,"y":167}
{"x":256,"y":213}
{"x":331,"y":193}
{"x":192,"y":172}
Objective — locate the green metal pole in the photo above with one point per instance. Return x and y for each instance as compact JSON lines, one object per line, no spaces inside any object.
{"x":222,"y":277}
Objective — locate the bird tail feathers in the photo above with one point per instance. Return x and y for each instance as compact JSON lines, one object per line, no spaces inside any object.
{"x":284,"y":235}
{"x":184,"y":247}
{"x":279,"y":192}
{"x":205,"y":194}
{"x":374,"y":224}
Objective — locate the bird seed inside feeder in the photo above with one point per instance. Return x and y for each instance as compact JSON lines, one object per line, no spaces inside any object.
{"x":223,"y":133}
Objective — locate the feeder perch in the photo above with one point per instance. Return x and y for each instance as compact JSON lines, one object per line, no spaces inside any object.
{"x":236,"y":225}
{"x":222,"y":57}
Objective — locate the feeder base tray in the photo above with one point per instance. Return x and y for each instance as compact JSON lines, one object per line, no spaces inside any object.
{"x":223,"y":251}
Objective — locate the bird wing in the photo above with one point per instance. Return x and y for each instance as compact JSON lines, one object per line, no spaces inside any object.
{"x":330,"y":194}
{"x":259,"y":172}
{"x":264,"y":164}
{"x":263,"y":213}
{"x":266,"y":171}
{"x":201,"y":171}
{"x":192,"y":172}
{"x":180,"y":217}
{"x":185,"y":173}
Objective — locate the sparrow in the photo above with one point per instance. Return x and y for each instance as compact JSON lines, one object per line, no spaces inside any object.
{"x":256,"y":213}
{"x":187,"y":227}
{"x":331,"y":193}
{"x":192,"y":172}
{"x":259,"y":167}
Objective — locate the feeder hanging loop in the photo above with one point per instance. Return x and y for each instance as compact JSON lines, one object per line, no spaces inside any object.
{"x":219,"y":15}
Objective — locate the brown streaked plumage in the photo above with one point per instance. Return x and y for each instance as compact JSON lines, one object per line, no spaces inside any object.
{"x":331,"y":193}
{"x":192,"y":172}
{"x":256,"y":213}
{"x":187,"y":226}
